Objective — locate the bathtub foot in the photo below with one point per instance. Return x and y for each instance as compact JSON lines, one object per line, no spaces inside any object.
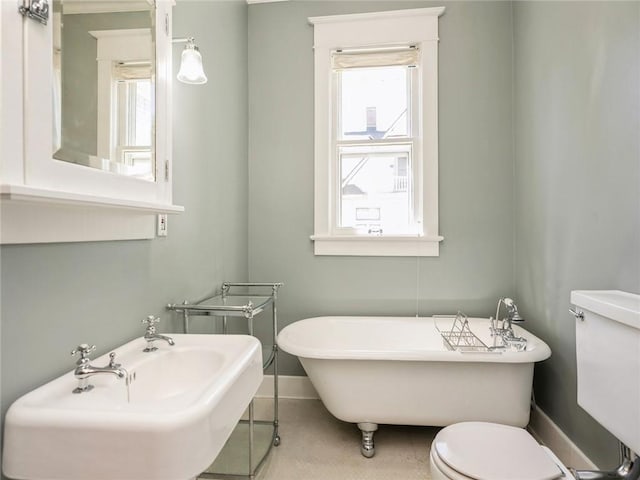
{"x":368,"y":429}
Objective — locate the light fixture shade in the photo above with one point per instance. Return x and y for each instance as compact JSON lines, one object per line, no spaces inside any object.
{"x":191,"y":66}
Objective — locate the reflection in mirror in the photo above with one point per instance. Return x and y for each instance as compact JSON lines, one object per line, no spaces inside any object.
{"x":103,"y":92}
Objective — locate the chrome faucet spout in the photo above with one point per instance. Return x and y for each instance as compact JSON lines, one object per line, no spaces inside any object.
{"x":151,"y":335}
{"x":167,"y":339}
{"x":84,"y":370}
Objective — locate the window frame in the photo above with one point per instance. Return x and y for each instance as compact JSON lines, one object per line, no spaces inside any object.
{"x":400,"y":27}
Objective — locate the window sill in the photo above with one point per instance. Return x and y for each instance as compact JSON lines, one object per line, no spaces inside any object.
{"x":374,"y":246}
{"x":36,"y":215}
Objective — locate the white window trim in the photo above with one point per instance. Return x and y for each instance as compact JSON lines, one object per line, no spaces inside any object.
{"x":413,"y":26}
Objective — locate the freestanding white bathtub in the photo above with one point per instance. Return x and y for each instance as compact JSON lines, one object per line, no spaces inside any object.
{"x":397,"y":370}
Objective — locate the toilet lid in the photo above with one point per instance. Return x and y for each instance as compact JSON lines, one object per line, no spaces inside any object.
{"x":489,"y":451}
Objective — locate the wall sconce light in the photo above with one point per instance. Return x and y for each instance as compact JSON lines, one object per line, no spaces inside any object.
{"x":191,"y":70}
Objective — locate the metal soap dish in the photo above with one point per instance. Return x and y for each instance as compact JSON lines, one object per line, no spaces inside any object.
{"x":460,"y":337}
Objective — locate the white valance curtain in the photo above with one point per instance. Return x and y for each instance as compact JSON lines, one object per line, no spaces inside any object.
{"x":369,"y":58}
{"x":132,"y":71}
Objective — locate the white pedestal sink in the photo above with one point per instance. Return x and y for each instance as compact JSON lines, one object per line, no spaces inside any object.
{"x":167,"y":421}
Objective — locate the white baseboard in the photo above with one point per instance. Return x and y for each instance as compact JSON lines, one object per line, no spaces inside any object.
{"x":540,"y":426}
{"x":550,"y":435}
{"x":288,"y":387}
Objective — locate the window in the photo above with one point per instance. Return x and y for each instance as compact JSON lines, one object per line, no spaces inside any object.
{"x":374,"y":129}
{"x":125,"y":103}
{"x":376,"y":150}
{"x":131,"y":119}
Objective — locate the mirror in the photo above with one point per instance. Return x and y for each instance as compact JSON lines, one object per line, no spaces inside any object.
{"x":103,"y":89}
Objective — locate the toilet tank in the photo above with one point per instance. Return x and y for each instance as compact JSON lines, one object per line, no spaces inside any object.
{"x":608,"y":360}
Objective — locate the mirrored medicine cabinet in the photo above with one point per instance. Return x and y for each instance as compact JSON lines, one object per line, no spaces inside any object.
{"x":103,"y":87}
{"x":91,"y":157}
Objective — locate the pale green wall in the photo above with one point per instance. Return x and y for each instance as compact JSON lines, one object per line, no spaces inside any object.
{"x":577,"y":131}
{"x":571,"y":134}
{"x":58,"y":295}
{"x":475,"y":266}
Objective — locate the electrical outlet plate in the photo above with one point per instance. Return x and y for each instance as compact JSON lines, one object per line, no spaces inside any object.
{"x":162,"y":225}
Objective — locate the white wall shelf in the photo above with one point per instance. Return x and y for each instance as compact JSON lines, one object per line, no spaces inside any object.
{"x":36,"y":215}
{"x":23,"y":193}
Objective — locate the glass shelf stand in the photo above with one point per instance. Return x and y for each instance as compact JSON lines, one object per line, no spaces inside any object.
{"x":243,"y":300}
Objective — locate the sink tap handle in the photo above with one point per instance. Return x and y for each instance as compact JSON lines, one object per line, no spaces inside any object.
{"x":84,"y":350}
{"x":150,"y":321}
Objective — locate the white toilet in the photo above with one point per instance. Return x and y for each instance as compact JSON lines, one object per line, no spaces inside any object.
{"x":607,"y":336}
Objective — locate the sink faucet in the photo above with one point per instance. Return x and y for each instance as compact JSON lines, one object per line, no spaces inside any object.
{"x":151,"y":336}
{"x":505,"y":331}
{"x":84,"y":369}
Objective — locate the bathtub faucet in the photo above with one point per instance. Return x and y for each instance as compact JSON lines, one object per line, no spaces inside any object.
{"x":504,"y":328}
{"x":512,"y":316}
